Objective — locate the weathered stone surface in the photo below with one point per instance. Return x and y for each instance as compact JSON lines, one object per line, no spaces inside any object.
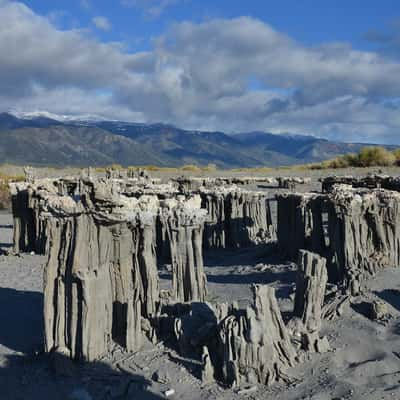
{"x":236,"y":218}
{"x":370,"y":181}
{"x":101,"y":278}
{"x":357,"y":230}
{"x":187,"y":184}
{"x":306,"y":323}
{"x":185,"y":233}
{"x":291,"y":182}
{"x":253,"y":344}
{"x":379,"y":311}
{"x":300,"y":223}
{"x":312,"y":277}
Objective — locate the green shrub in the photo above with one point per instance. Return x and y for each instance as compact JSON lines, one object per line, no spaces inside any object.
{"x":396,"y":154}
{"x":375,"y":156}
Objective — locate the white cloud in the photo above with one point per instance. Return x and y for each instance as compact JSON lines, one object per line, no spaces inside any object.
{"x":150,"y":8}
{"x":197,"y":76}
{"x":102,"y":23}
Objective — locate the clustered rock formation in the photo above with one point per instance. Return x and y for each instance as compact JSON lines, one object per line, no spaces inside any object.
{"x":105,"y":237}
{"x":236,"y":217}
{"x":101,"y":278}
{"x":370,"y":181}
{"x":253,"y":345}
{"x":356,"y":230}
{"x":291,"y":182}
{"x":194,"y":183}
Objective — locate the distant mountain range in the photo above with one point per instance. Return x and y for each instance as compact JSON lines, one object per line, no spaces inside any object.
{"x":40,"y":140}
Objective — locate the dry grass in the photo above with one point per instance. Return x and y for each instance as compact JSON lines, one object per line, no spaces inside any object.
{"x":5,"y":198}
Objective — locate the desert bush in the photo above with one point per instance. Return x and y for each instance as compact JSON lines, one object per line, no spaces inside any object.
{"x":5,"y":197}
{"x":100,"y":169}
{"x":191,"y":168}
{"x":375,"y":156}
{"x":116,"y":167}
{"x":396,"y":154}
{"x":209,"y":168}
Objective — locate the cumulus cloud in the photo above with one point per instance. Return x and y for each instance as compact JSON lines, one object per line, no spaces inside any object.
{"x":102,"y":23}
{"x":150,"y":8}
{"x":197,"y":76}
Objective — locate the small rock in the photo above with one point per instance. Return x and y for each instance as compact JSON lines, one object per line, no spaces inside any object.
{"x":322,"y":345}
{"x":247,"y":390}
{"x":378,"y":310}
{"x":161,"y":377}
{"x":169,"y":392}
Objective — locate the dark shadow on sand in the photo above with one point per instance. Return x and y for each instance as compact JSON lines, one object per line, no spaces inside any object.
{"x":38,"y":376}
{"x":49,"y":377}
{"x":21,"y":321}
{"x":263,"y":253}
{"x":245,"y":278}
{"x":391,"y":296}
{"x":363,"y":308}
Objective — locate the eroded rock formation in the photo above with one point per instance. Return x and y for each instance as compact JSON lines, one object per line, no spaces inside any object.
{"x":104,"y":237}
{"x":290,"y":183}
{"x":253,"y":344}
{"x":372,"y":181}
{"x":355,"y":229}
{"x":101,"y":278}
{"x":312,"y":277}
{"x":236,"y":217}
{"x":185,"y":233}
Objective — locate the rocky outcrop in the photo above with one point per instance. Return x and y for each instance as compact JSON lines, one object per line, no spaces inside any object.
{"x":312,"y":277}
{"x":235,"y":345}
{"x":185,"y":233}
{"x":188,"y":184}
{"x":365,"y":231}
{"x":236,"y":218}
{"x":371,"y":181}
{"x":27,"y":197}
{"x":101,"y":280}
{"x":300,"y":223}
{"x":356,"y":230}
{"x":290,"y":183}
{"x":253,"y":344}
{"x":30,"y":232}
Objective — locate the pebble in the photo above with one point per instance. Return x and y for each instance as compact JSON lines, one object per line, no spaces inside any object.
{"x":169,"y":392}
{"x":247,"y":390}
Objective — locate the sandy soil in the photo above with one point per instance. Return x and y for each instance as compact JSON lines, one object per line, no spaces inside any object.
{"x":364,"y":362}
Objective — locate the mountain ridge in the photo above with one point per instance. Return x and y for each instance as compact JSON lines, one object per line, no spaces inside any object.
{"x":40,"y":140}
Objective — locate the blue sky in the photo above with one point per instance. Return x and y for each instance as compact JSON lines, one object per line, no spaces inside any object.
{"x":308,"y":21}
{"x":328,"y":68}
